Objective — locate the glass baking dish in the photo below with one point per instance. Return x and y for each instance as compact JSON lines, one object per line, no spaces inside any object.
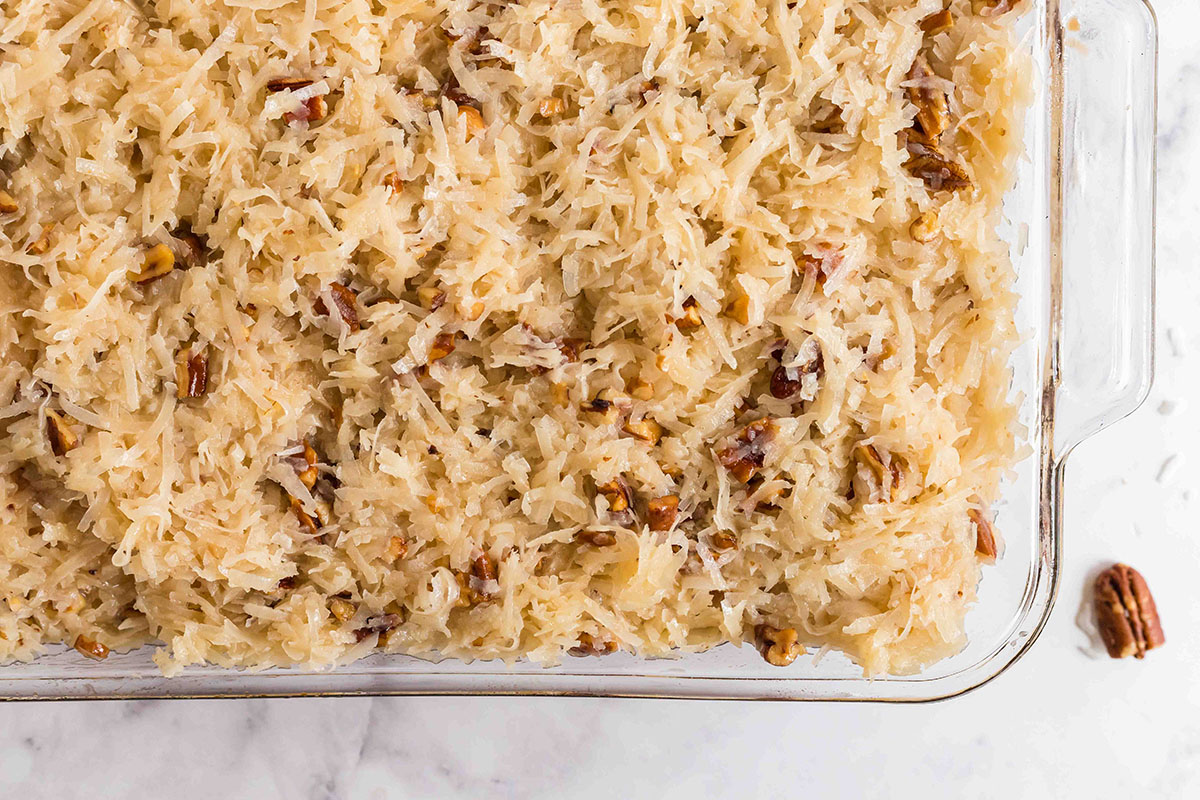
{"x":1081,"y":227}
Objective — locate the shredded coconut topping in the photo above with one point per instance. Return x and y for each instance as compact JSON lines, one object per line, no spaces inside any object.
{"x":489,"y":260}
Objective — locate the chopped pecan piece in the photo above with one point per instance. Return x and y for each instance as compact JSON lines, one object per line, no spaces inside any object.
{"x":381,"y":625}
{"x":588,"y":645}
{"x":41,"y":245}
{"x":460,"y":98}
{"x":313,"y":109}
{"x":345,"y":300}
{"x":932,"y":110}
{"x":191,"y":372}
{"x":938,"y":22}
{"x":193,"y":248}
{"x":646,"y":87}
{"x":89,"y":647}
{"x":748,"y":453}
{"x":645,"y":429}
{"x":722,"y":540}
{"x":479,"y":584}
{"x":8,"y":203}
{"x":738,"y":309}
{"x":312,"y":523}
{"x":926,"y":227}
{"x":443,"y":345}
{"x":691,"y":316}
{"x":287,"y":84}
{"x":783,"y":387}
{"x":472,"y":120}
{"x":483,"y":567}
{"x":59,"y":433}
{"x":158,"y":261}
{"x":471,"y":40}
{"x":472,"y":311}
{"x":343,"y":610}
{"x":596,"y":538}
{"x":935,"y":168}
{"x":560,"y":394}
{"x":778,"y":646}
{"x":308,"y":475}
{"x":823,"y":263}
{"x":881,"y":481}
{"x":604,"y":411}
{"x":886,"y":351}
{"x":641,"y":389}
{"x":618,"y":494}
{"x":551,"y":107}
{"x":741,"y":467}
{"x":662,"y":512}
{"x":397,"y":548}
{"x":394,"y":182}
{"x":914,"y":136}
{"x":571,"y":348}
{"x":985,"y":535}
{"x":431,"y":297}
{"x":305,"y":467}
{"x":1125,"y":613}
{"x":786,"y":381}
{"x":305,"y":518}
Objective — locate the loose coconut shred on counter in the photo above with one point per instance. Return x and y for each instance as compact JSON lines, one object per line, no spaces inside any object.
{"x":532,"y":330}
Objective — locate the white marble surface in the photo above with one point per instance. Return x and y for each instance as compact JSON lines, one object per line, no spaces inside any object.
{"x":1061,"y":723}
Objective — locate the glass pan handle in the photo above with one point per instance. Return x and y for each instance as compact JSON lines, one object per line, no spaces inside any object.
{"x":1106,"y":95}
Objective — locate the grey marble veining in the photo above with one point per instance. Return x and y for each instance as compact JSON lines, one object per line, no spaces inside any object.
{"x":1061,"y":723}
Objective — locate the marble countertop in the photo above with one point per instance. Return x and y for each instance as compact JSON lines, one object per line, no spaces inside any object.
{"x":1061,"y":723}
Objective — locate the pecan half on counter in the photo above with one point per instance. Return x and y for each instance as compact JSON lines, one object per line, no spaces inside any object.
{"x":1125,"y":613}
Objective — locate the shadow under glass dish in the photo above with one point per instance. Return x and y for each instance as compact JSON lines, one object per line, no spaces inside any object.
{"x":1080,"y":222}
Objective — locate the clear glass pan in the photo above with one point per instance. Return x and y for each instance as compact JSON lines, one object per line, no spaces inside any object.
{"x":1081,"y":222}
